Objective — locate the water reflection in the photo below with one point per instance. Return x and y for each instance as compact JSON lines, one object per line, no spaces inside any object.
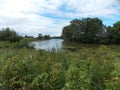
{"x":48,"y":44}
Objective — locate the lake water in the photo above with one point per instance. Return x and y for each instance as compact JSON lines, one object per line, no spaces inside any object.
{"x":48,"y":44}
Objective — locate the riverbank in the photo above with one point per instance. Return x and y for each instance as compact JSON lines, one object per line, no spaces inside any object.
{"x":25,"y":68}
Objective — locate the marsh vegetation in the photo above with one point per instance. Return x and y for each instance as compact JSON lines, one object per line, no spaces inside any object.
{"x":92,"y":66}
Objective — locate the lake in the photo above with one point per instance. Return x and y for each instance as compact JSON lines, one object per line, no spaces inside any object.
{"x":48,"y":44}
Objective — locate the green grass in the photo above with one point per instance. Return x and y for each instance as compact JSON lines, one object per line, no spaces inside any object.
{"x":89,"y":68}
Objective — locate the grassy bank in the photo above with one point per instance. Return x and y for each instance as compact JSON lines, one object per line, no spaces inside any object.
{"x":89,"y":68}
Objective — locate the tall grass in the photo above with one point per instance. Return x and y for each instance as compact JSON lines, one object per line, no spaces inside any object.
{"x":87,"y":69}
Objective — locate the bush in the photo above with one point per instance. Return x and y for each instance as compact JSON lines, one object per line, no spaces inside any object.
{"x":87,"y":69}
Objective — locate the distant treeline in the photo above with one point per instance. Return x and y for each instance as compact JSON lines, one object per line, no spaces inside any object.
{"x":91,"y":30}
{"x":40,"y":36}
{"x":9,"y":35}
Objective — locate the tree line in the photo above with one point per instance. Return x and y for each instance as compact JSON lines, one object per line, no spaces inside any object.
{"x":7,"y":34}
{"x":40,"y":36}
{"x":91,"y":30}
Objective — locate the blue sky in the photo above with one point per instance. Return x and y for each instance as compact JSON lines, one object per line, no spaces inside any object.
{"x":31,"y":17}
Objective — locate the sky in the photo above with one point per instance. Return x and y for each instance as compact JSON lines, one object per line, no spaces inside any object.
{"x":31,"y":17}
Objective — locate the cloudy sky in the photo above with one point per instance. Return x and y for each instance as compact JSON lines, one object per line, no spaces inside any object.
{"x":30,"y":17}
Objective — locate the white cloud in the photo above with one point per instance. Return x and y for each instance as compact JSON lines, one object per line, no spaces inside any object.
{"x":49,"y":16}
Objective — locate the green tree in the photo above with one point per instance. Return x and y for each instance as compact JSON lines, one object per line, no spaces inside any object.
{"x":116,"y":32}
{"x":93,"y":29}
{"x":9,"y":35}
{"x":40,"y":36}
{"x":87,"y":30}
{"x":46,"y":36}
{"x":113,"y":33}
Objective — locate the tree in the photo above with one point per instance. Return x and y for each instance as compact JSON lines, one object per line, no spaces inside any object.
{"x":116,"y":28}
{"x":87,"y":30}
{"x":46,"y":36}
{"x":40,"y":36}
{"x":114,"y":33}
{"x":9,"y":35}
{"x":93,"y":29}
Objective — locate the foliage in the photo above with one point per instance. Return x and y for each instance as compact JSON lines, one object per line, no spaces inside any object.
{"x":114,"y":33}
{"x":40,"y":36}
{"x":90,"y":68}
{"x":9,"y":35}
{"x":22,"y":43}
{"x":91,"y":30}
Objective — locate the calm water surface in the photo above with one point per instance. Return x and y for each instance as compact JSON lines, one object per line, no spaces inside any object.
{"x":48,"y":44}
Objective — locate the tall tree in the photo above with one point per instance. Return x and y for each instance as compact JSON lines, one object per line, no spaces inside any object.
{"x":86,"y":30}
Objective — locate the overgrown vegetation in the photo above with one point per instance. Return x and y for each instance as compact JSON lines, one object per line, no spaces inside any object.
{"x":91,"y":67}
{"x":95,"y":68}
{"x":91,"y":30}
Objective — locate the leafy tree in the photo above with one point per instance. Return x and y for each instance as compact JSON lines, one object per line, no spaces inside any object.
{"x":9,"y":35}
{"x":116,"y":32}
{"x":87,"y":30}
{"x":40,"y":36}
{"x":91,"y":30}
{"x":113,"y":33}
{"x":66,"y":34}
{"x":46,"y":36}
